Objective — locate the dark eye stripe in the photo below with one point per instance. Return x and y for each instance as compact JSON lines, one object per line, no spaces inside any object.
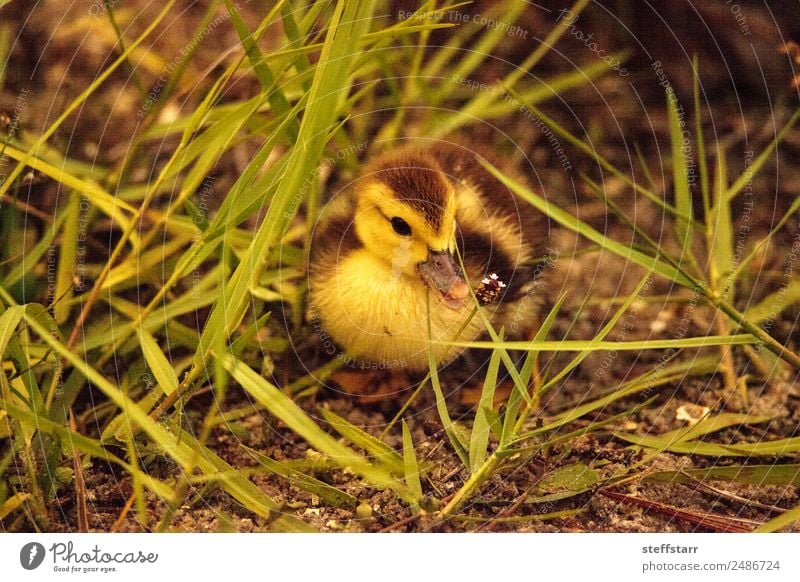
{"x":400,"y":226}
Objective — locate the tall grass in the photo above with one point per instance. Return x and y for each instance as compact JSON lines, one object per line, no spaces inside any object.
{"x":131,"y":364}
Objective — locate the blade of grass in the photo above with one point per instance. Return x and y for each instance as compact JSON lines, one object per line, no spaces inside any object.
{"x":598,"y":159}
{"x":512,"y":408}
{"x":476,"y":107}
{"x":571,"y":222}
{"x":293,"y":416}
{"x":380,"y":451}
{"x":73,"y":441}
{"x":329,"y":87}
{"x":410,"y":463}
{"x":702,"y":161}
{"x":479,"y":439}
{"x":459,"y":446}
{"x":775,"y":303}
{"x":278,"y":101}
{"x":329,"y":494}
{"x":784,"y":520}
{"x":85,"y":94}
{"x":680,"y":177}
{"x":13,"y":503}
{"x":159,"y":364}
{"x":758,"y":248}
{"x":667,"y":271}
{"x":719,"y":232}
{"x":600,"y":345}
{"x":68,"y":253}
{"x":180,"y":450}
{"x":652,"y":379}
{"x":747,"y":176}
{"x":110,"y":205}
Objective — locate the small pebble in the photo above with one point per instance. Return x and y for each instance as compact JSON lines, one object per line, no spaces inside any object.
{"x":364,"y":511}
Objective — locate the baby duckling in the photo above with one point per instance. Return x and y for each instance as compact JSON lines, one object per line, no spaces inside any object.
{"x":386,"y":257}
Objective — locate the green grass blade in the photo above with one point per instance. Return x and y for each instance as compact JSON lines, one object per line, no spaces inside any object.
{"x":110,"y":205}
{"x":293,"y":416}
{"x":775,"y":303}
{"x":72,"y":441}
{"x":68,"y":254}
{"x":793,"y":208}
{"x":680,"y":174}
{"x":328,"y":89}
{"x":380,"y":451}
{"x":747,"y":176}
{"x":410,"y":463}
{"x":34,"y":255}
{"x":329,"y":494}
{"x":781,"y":447}
{"x":784,"y":520}
{"x":712,"y":424}
{"x":719,"y":233}
{"x":13,"y":503}
{"x":484,"y":47}
{"x":652,"y":379}
{"x":280,"y":105}
{"x":571,"y":222}
{"x":514,"y":401}
{"x":460,"y":446}
{"x":481,"y":427}
{"x":179,"y":449}
{"x":602,"y":345}
{"x":702,"y":160}
{"x":159,"y":364}
{"x":600,"y":160}
{"x":9,"y":321}
{"x":78,"y":101}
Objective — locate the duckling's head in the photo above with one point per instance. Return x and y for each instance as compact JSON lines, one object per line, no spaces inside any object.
{"x":405,"y":215}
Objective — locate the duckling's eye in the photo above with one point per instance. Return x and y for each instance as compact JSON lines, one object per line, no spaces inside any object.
{"x":400,"y":226}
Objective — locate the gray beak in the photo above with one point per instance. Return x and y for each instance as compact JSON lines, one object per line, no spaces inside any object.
{"x":442,"y":274}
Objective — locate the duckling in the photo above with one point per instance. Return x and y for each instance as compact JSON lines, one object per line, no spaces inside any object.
{"x":387,"y":254}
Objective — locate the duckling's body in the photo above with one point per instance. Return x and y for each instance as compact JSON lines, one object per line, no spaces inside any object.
{"x":385,"y":254}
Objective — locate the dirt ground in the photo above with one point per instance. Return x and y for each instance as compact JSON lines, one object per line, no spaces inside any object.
{"x":742,"y":113}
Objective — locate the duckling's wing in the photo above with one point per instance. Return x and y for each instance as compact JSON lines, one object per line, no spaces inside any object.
{"x":508,"y":234}
{"x":334,"y":237}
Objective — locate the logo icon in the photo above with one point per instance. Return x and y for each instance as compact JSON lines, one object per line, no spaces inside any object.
{"x":31,"y":555}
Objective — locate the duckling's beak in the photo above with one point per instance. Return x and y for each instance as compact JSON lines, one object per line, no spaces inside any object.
{"x":443,"y":275}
